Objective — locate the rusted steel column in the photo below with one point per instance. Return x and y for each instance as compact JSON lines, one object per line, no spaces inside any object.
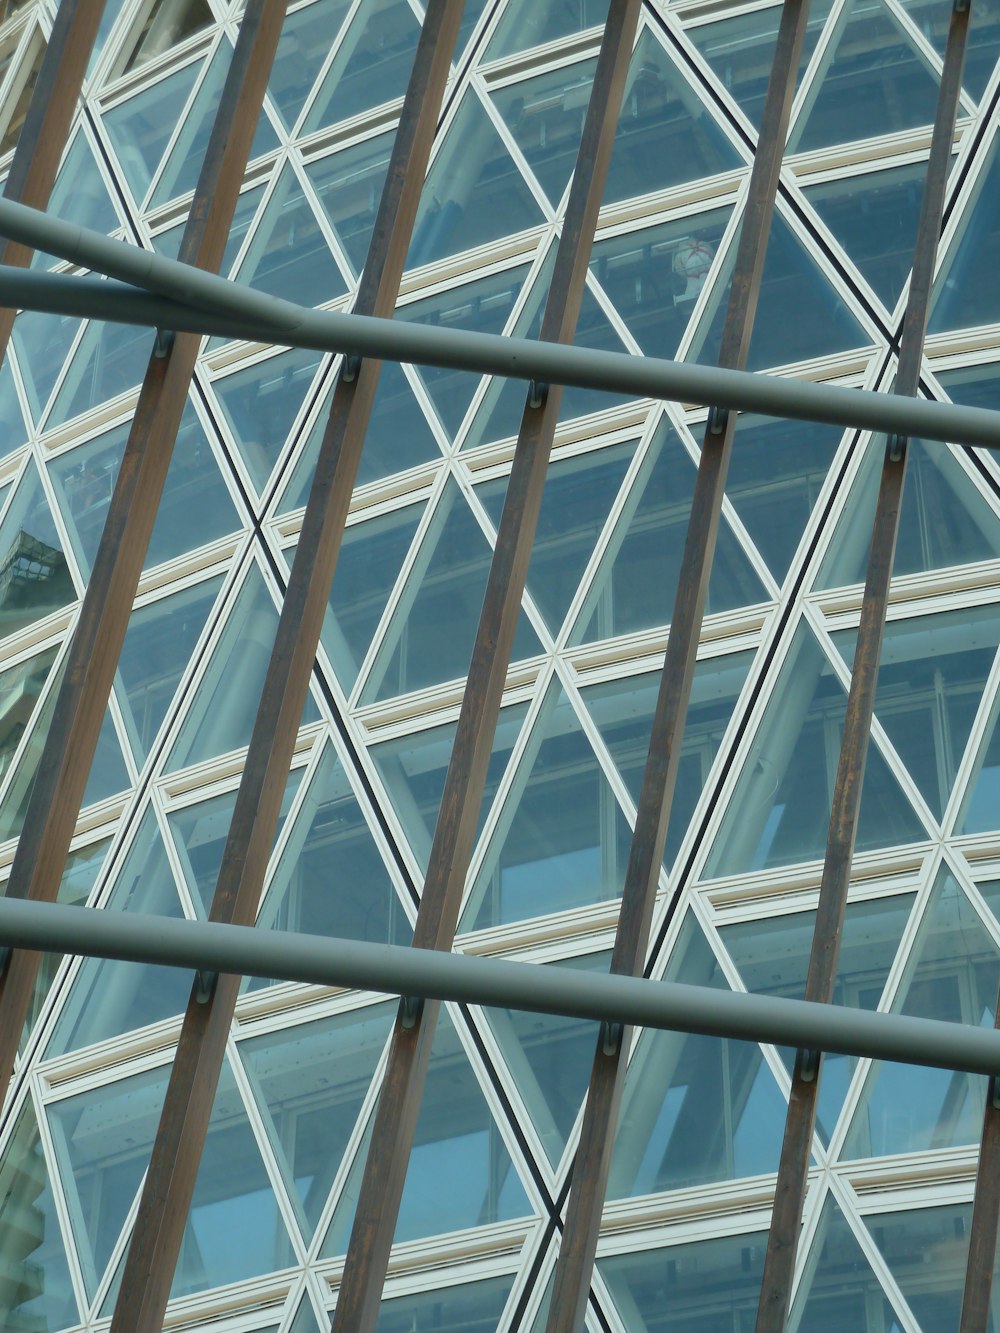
{"x":92,"y":658}
{"x":593,"y":1157}
{"x":46,"y":126}
{"x":180,"y":1139}
{"x":437,"y":917}
{"x":793,"y":1168}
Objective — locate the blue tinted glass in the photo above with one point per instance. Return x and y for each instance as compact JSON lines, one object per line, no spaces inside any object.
{"x":80,"y":195}
{"x":931,"y":18}
{"x":13,"y":432}
{"x":473,"y":194}
{"x":372,"y":65}
{"x":35,"y":579}
{"x":932,"y":1290}
{"x":141,"y":127}
{"x":526,"y":23}
{"x":23,"y":685}
{"x":433,"y":628}
{"x":874,"y":217}
{"x":840,"y":1293}
{"x":475,"y":1308}
{"x":578,"y":496}
{"x":42,"y":343}
{"x":306,"y":37}
{"x":349,"y":185}
{"x":183,"y":164}
{"x":110,"y":360}
{"x":967,"y":289}
{"x":545,"y":115}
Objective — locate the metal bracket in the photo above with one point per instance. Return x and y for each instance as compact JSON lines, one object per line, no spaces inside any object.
{"x":410,"y":1009}
{"x":538,"y":391}
{"x":718,"y":418}
{"x":163,"y":342}
{"x":895,"y":447}
{"x":611,"y":1037}
{"x":204,"y":985}
{"x":809,"y":1065}
{"x":351,"y":366}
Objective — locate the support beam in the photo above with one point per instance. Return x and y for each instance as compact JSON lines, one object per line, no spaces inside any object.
{"x":183,"y":1128}
{"x":592,"y":1163}
{"x":92,"y":658}
{"x":821,"y":976}
{"x":213,"y":946}
{"x":492,"y":354}
{"x":454,"y":836}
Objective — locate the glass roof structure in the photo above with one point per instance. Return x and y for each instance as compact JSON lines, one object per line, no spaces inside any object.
{"x":419,"y":654}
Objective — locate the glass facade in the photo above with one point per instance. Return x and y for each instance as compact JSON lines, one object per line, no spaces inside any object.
{"x":887,"y":1215}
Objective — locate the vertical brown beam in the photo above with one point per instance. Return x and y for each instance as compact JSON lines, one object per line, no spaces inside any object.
{"x":593,"y":1158}
{"x":46,"y":126}
{"x":793,"y":1167}
{"x":187,"y":1107}
{"x":437,"y":918}
{"x":93,"y":654}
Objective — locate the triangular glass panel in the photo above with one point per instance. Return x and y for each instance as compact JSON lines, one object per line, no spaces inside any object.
{"x":967,"y":288}
{"x":525,"y":23}
{"x":980,"y":810}
{"x":932,"y":672}
{"x":791,"y":283}
{"x":339,"y":1231}
{"x":779,"y":812}
{"x":839,"y":1292}
{"x":772,"y":955}
{"x":349,"y":185}
{"x":234,"y":1229}
{"x":103,"y":1139}
{"x":110,"y":997}
{"x":740,"y":51}
{"x":306,"y":37}
{"x":562,"y":840}
{"x":109,"y":360}
{"x":871,"y":78}
{"x":666,"y":135}
{"x":874,"y":217}
{"x":140,"y":128}
{"x":35,"y":579}
{"x":108,"y":773}
{"x":545,"y":115}
{"x":670,"y":1289}
{"x":371,"y":67}
{"x":222,"y":712}
{"x":310,"y":1082}
{"x":398,"y":437}
{"x":623,"y":711}
{"x":305,"y":1320}
{"x":981,"y":43}
{"x":654,"y":277}
{"x":951,"y":974}
{"x":473,"y":193}
{"x":433,"y":628}
{"x":776,"y":472}
{"x":200,"y":831}
{"x":483,"y":306}
{"x":550,"y":1058}
{"x":635,"y":585}
{"x":21,"y":687}
{"x":158,"y":645}
{"x":944,"y":520}
{"x":414,"y":768}
{"x":36,"y":1295}
{"x":576,"y":501}
{"x":460,"y":1173}
{"x":182,"y":166}
{"x":288,"y":255}
{"x":164,"y":24}
{"x":42,"y":343}
{"x":195,"y":508}
{"x":261,"y":403}
{"x":80,"y":195}
{"x":331,"y":879}
{"x":13,"y":432}
{"x":695,"y":1109}
{"x":14,"y":113}
{"x":925,"y":1250}
{"x":370,"y":559}
{"x":475,"y":1306}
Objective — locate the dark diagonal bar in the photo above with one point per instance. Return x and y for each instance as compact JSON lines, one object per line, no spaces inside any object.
{"x":793,"y":1167}
{"x":180,"y":1139}
{"x":47,"y":123}
{"x":93,"y":654}
{"x":451,"y":849}
{"x":593,"y":1157}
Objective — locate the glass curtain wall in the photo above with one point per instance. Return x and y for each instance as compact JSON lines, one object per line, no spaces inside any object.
{"x":886,"y":1224}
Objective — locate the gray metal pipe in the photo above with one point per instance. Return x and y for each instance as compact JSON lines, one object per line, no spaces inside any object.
{"x":184,"y":298}
{"x":396,"y":970}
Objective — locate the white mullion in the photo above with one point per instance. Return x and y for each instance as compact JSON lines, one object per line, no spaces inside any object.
{"x":980,"y":735}
{"x":354,"y":13}
{"x":823,"y":56}
{"x":325,"y":226}
{"x":806,"y":1259}
{"x":846,"y":1198}
{"x":59,"y":1199}
{"x":184,"y":118}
